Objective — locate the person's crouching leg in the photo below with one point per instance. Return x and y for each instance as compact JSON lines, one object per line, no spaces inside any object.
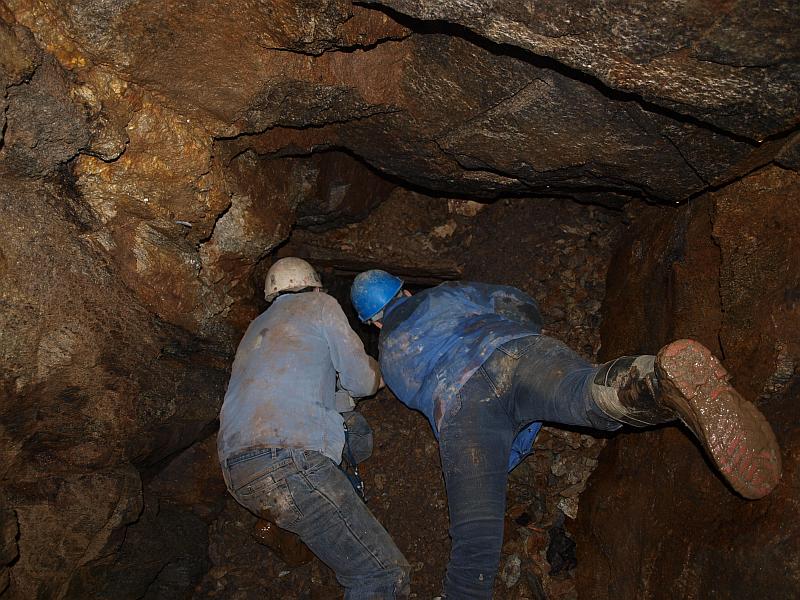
{"x":685,"y":381}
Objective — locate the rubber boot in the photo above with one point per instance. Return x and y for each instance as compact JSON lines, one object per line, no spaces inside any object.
{"x":685,"y":381}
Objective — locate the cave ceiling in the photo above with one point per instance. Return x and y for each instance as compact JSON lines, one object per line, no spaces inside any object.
{"x":198,"y":135}
{"x":478,"y":98}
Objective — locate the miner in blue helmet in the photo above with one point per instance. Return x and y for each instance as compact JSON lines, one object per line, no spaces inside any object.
{"x":472,"y":358}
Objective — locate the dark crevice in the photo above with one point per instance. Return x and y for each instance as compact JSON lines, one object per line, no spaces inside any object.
{"x":217,"y":219}
{"x":5,"y":124}
{"x":685,"y":159}
{"x":98,"y":156}
{"x":343,"y":49}
{"x":526,"y":190}
{"x":374,"y":111}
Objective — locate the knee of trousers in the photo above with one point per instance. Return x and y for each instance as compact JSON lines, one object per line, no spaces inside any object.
{"x":475,"y":555}
{"x":392,"y":582}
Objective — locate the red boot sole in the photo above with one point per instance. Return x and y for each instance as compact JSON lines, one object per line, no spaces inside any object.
{"x":735,"y":434}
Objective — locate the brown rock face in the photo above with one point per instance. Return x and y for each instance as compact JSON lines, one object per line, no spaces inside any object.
{"x":43,"y":126}
{"x":760,"y":278}
{"x":656,"y":521}
{"x":92,"y":384}
{"x":462,"y":117}
{"x":460,"y":114}
{"x":660,"y":288}
{"x":164,"y":552}
{"x":703,"y":59}
{"x":9,"y":549}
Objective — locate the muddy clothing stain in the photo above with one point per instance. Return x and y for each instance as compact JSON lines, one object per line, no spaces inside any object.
{"x":283,"y":380}
{"x":432,"y":342}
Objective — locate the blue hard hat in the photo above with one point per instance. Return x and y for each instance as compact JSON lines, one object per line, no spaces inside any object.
{"x":372,"y":290}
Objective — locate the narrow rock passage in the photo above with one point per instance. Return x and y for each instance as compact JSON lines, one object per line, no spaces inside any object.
{"x":556,"y":250}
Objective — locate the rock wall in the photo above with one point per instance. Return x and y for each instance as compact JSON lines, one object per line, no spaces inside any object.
{"x":656,"y":521}
{"x":93,"y":386}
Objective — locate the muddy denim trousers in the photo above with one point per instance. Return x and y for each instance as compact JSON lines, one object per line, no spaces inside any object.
{"x":306,"y":493}
{"x":535,"y":378}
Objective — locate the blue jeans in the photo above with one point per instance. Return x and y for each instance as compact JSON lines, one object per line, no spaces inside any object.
{"x":535,"y":378}
{"x":306,"y":493}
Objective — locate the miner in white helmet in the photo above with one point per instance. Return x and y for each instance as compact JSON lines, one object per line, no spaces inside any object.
{"x":283,"y":431}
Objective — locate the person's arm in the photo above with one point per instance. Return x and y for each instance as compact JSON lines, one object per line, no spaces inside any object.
{"x":358,"y":372}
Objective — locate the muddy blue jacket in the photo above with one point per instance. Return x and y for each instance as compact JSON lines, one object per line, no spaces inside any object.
{"x":432,"y":342}
{"x":283,"y":381}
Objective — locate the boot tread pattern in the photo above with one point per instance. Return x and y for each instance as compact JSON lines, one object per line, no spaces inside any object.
{"x":735,"y":434}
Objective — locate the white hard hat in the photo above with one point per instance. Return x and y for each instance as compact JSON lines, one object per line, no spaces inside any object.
{"x":290,"y":275}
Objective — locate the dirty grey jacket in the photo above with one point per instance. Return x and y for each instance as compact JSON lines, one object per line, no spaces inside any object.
{"x":282,"y":386}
